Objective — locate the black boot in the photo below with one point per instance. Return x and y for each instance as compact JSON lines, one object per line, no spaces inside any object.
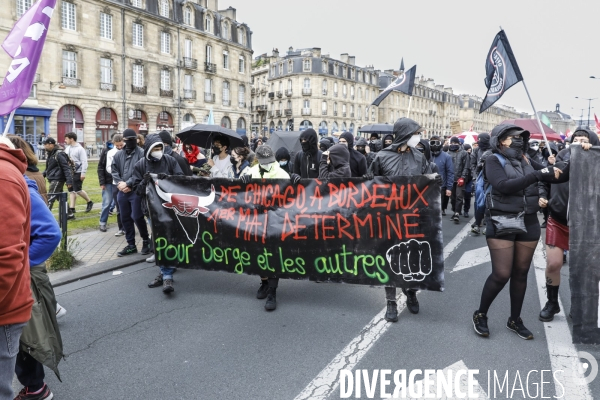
{"x":263,"y":289}
{"x":391,"y":314}
{"x":271,"y":303}
{"x":411,"y":300}
{"x":551,"y":307}
{"x":145,"y":247}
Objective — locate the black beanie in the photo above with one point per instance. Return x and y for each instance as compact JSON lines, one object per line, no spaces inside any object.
{"x":455,"y":140}
{"x":166,"y":137}
{"x":129,"y":133}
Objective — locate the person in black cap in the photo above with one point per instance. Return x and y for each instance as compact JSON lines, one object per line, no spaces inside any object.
{"x":130,"y":204}
{"x":306,"y":163}
{"x":58,"y":172}
{"x":167,"y":141}
{"x":460,"y":159}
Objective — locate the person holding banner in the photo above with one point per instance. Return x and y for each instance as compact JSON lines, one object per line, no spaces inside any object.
{"x":401,"y":159}
{"x":555,"y":198}
{"x":306,"y":162}
{"x":512,"y":228}
{"x":335,"y":163}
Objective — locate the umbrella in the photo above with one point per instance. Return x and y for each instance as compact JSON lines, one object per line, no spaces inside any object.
{"x":377,"y":128}
{"x":289,"y":140}
{"x":468,"y":137}
{"x":202,"y":135}
{"x":533,"y":127}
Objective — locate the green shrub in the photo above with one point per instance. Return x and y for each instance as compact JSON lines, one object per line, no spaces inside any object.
{"x":62,"y":259}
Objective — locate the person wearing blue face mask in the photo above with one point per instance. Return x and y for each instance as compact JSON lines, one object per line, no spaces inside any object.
{"x":282,"y":155}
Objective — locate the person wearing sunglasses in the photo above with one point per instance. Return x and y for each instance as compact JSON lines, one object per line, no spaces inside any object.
{"x":445,"y":168}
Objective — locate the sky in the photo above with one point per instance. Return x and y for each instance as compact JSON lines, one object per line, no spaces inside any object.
{"x":555,"y":42}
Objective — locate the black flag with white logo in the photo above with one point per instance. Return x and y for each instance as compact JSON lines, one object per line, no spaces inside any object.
{"x":501,"y":70}
{"x":404,"y":84}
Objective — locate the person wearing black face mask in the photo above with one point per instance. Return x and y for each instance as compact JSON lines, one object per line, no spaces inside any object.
{"x":445,"y":168}
{"x":388,"y":140}
{"x":534,"y":151}
{"x":306,"y":162}
{"x":130,"y":204}
{"x":460,"y":159}
{"x":361,"y":147}
{"x":220,"y":163}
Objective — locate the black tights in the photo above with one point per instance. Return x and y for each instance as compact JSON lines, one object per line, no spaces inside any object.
{"x":510,"y":260}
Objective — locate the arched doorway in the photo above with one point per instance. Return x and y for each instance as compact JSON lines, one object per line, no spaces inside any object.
{"x":69,"y":119}
{"x":334,"y":128}
{"x":241,"y":126}
{"x":305,"y":125}
{"x":272,"y":127}
{"x":280,"y":125}
{"x":107,"y":123}
{"x":352,"y":128}
{"x":290,"y":125}
{"x":164,"y":122}
{"x":188,"y":120}
{"x":323,"y":128}
{"x":138,"y":121}
{"x":344,"y":128}
{"x":226,"y":122}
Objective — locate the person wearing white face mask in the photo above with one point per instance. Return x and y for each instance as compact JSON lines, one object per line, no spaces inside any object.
{"x":401,"y":158}
{"x":155,"y":161}
{"x":534,"y":152}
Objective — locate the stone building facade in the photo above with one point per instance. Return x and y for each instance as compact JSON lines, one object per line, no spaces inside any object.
{"x":144,"y":64}
{"x":306,"y":88}
{"x":563,"y":123}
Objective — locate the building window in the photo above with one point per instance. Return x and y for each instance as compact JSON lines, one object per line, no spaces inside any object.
{"x":164,"y":8}
{"x":324,"y":67}
{"x":68,"y":16}
{"x":22,"y":6}
{"x":352,"y":91}
{"x":336,"y":69}
{"x":241,"y":37}
{"x":138,"y":35}
{"x":187,"y":48}
{"x":242,"y":65}
{"x":242,"y":96}
{"x":290,"y":66}
{"x":165,"y":42}
{"x":324,"y":107}
{"x":69,"y":64}
{"x":324,"y":87}
{"x":208,"y":87}
{"x":306,"y":104}
{"x":105,"y":26}
{"x":334,"y":107}
{"x":306,"y":83}
{"x":306,"y":65}
{"x":226,"y":33}
{"x":138,"y":75}
{"x":225,"y":60}
{"x":289,"y":84}
{"x":165,"y":79}
{"x":208,"y":23}
{"x":188,"y":82}
{"x":280,"y":69}
{"x":187,"y":16}
{"x":209,"y":54}
{"x":335,"y":88}
{"x":106,"y":73}
{"x":136,"y":3}
{"x":226,"y":92}
{"x":344,"y":90}
{"x":359,"y":93}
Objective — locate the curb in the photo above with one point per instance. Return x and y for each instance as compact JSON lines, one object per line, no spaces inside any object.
{"x":80,"y":273}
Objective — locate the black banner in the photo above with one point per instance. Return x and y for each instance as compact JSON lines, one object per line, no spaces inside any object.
{"x":381,"y":232}
{"x":584,"y":236}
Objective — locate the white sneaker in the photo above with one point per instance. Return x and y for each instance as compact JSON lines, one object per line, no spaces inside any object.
{"x":120,"y":233}
{"x":151,"y":259}
{"x":60,"y":311}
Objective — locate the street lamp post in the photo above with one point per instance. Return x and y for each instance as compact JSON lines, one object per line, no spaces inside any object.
{"x":589,"y":107}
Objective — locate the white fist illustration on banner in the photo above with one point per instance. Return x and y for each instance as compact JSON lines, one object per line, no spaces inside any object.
{"x":411,"y":259}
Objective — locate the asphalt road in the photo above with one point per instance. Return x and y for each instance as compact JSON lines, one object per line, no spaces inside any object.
{"x":212,"y":339}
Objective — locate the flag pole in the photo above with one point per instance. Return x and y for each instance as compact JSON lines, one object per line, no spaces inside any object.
{"x":10,"y":119}
{"x":409,"y":103}
{"x":536,"y":114}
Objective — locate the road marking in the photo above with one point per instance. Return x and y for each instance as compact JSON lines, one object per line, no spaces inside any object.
{"x":563,"y":354}
{"x":472,"y":258}
{"x":327,"y":380}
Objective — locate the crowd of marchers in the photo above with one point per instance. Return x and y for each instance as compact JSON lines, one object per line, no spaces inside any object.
{"x":515,"y":177}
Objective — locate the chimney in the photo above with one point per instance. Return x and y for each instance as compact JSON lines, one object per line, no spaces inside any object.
{"x":316,"y":52}
{"x":557,"y":107}
{"x":344,"y":58}
{"x":276,"y":53}
{"x":352,"y":60}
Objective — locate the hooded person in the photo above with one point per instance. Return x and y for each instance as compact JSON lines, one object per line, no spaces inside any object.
{"x":361,"y":147}
{"x":534,"y":151}
{"x":375,"y":144}
{"x":423,"y":147}
{"x":167,"y":140}
{"x":514,"y":192}
{"x":469,"y":182}
{"x":335,"y":163}
{"x":282,"y":155}
{"x":555,"y":198}
{"x":267,"y":167}
{"x":358,"y":162}
{"x":461,"y":161}
{"x":482,"y":152}
{"x":250,"y":157}
{"x":401,"y":159}
{"x":445,"y":168}
{"x":306,"y":162}
{"x":155,"y":161}
{"x":324,"y":144}
{"x":388,"y":140}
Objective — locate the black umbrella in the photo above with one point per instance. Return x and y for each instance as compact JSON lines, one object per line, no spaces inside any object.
{"x":202,"y":135}
{"x":289,"y":140}
{"x":377,"y":128}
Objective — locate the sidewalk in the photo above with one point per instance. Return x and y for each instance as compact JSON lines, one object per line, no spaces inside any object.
{"x":96,"y":253}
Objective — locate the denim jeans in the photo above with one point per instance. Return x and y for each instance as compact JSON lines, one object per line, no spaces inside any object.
{"x":107,"y":198}
{"x":167,"y":272}
{"x":9,"y":348}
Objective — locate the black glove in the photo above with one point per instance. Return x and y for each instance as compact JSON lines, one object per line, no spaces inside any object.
{"x":547,"y":174}
{"x":161,"y":176}
{"x":147,"y":178}
{"x":438,"y":179}
{"x":369,"y":176}
{"x":295,"y":178}
{"x":246,"y":178}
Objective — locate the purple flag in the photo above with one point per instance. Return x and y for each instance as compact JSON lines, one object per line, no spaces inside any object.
{"x":24,"y":45}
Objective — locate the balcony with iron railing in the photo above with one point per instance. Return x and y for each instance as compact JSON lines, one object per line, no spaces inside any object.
{"x":226,"y":102}
{"x":351,"y":97}
{"x":241,"y":104}
{"x":189,"y":94}
{"x":289,"y":92}
{"x":344,"y":114}
{"x":288,"y":112}
{"x":279,"y":93}
{"x":335,"y":113}
{"x":253,"y":91}
{"x":210,"y":67}
{"x":351,"y":115}
{"x":166,"y":93}
{"x":306,"y":91}
{"x":344,"y":95}
{"x":335,"y":94}
{"x":324,"y":112}
{"x":271,"y":113}
{"x":110,"y":87}
{"x":324,"y":92}
{"x":278,"y":113}
{"x":261,"y":108}
{"x":190,"y":63}
{"x":74,"y":82}
{"x":306,"y":111}
{"x":209,"y":97}
{"x":139,"y":89}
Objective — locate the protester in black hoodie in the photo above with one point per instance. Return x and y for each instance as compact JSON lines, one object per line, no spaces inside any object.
{"x":401,"y":159}
{"x":358,"y":162}
{"x":555,"y":198}
{"x":167,"y":140}
{"x":514,"y":190}
{"x":282,"y":155}
{"x":306,"y":163}
{"x":335,"y":163}
{"x":425,"y":148}
{"x":388,"y":140}
{"x":482,"y":152}
{"x":325,"y":144}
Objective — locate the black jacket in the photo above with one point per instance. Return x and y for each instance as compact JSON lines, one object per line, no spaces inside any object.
{"x":123,"y":164}
{"x":104,"y":177}
{"x":461,"y":161}
{"x":283,"y":154}
{"x":58,"y":168}
{"x":149,"y":165}
{"x":389,"y":162}
{"x":358,"y":162}
{"x":183,"y":164}
{"x":339,"y":166}
{"x":306,"y":164}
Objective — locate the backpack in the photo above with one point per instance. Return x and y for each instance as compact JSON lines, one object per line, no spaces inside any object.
{"x":69,"y":160}
{"x":483,"y":188}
